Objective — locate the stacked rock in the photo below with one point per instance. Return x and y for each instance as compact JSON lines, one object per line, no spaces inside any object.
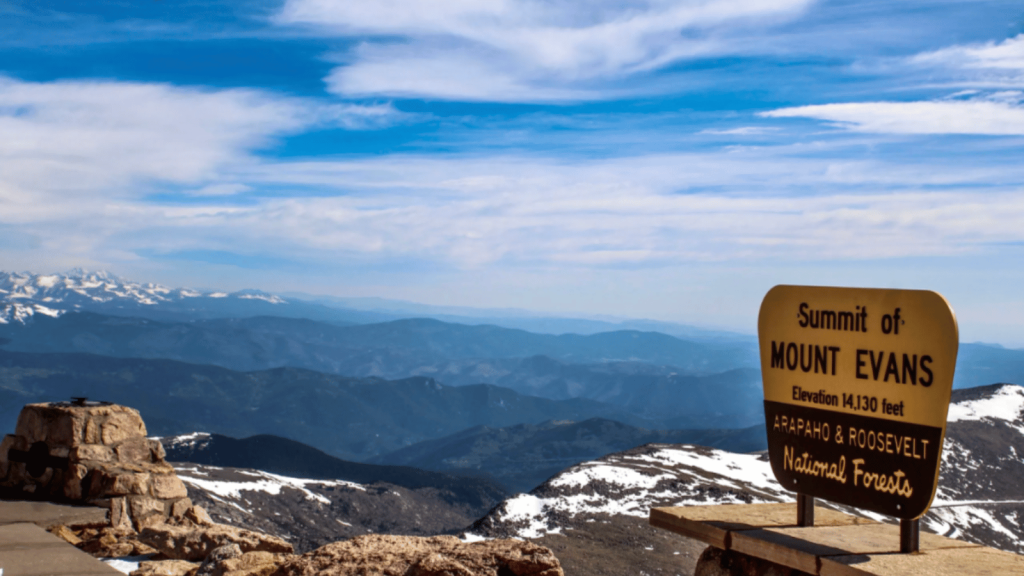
{"x":95,"y":453}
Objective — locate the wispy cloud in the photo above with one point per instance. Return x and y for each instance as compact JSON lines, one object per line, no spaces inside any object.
{"x":79,"y":137}
{"x":1004,"y":55}
{"x":521,"y":50}
{"x":518,"y":212}
{"x":1001,"y":116}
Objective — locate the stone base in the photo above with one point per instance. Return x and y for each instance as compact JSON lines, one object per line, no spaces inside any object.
{"x":93,"y":453}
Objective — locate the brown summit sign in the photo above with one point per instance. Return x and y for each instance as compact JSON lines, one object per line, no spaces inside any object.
{"x":856,"y":387}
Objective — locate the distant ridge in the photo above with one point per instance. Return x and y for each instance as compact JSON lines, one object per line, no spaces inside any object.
{"x":525,"y":455}
{"x":393,"y":348}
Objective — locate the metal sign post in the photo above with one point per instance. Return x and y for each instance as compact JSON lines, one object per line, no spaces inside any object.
{"x":804,"y":510}
{"x":910,"y":536}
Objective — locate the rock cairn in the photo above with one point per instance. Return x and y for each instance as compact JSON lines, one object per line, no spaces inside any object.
{"x":95,"y":453}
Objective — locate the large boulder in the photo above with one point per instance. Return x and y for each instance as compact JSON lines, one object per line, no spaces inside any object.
{"x":380,"y":555}
{"x":196,"y":542}
{"x":247,"y":564}
{"x":165,"y":568}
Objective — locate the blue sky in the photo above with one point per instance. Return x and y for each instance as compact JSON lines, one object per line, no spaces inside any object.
{"x":670,"y":160}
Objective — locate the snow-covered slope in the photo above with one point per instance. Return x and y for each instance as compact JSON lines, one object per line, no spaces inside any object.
{"x":981,"y":483}
{"x":24,"y":294}
{"x":285,"y":488}
{"x":980,"y":498}
{"x":310,"y":513}
{"x":995,"y":404}
{"x":630,"y":483}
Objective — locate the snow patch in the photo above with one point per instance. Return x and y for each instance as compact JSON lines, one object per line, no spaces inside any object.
{"x":265,"y":297}
{"x":185,"y":439}
{"x":599,"y":471}
{"x":125,"y":564}
{"x":1007,"y":403}
{"x":745,"y":468}
{"x":260,"y":482}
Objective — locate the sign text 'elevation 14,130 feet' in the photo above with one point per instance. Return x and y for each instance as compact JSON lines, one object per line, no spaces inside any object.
{"x":856,"y":388}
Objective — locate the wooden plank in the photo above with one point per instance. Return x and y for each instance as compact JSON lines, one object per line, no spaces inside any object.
{"x":800,"y":547}
{"x":47,"y":514}
{"x":670,"y":519}
{"x":28,"y":550}
{"x":976,"y":561}
{"x":714,"y":524}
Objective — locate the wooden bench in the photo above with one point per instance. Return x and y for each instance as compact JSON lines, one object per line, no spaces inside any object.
{"x":837,"y":545}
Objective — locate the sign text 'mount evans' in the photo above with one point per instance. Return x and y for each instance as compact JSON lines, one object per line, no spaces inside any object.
{"x":856,"y":387}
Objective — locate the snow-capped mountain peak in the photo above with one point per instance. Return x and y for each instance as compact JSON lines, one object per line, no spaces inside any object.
{"x":18,"y":312}
{"x":25,"y":294}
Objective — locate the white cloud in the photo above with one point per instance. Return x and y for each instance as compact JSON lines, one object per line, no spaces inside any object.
{"x":995,"y":117}
{"x":71,"y":138}
{"x":627,"y":212}
{"x":410,"y":71}
{"x":1005,"y":55}
{"x":505,"y":213}
{"x":521,"y":50}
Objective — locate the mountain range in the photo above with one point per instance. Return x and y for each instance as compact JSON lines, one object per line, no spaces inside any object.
{"x":387,"y":349}
{"x":360,"y":336}
{"x":22,"y":294}
{"x":352,"y":418}
{"x":420,"y":347}
{"x":26,"y":295}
